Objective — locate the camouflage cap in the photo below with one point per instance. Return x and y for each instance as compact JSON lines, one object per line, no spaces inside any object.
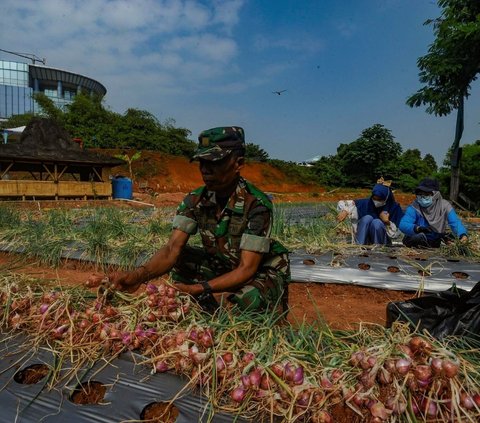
{"x":217,"y":143}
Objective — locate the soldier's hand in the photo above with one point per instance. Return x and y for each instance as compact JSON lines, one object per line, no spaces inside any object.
{"x":191,"y":289}
{"x":95,"y":280}
{"x":123,"y":281}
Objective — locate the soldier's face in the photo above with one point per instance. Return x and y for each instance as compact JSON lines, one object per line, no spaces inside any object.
{"x":221,"y":175}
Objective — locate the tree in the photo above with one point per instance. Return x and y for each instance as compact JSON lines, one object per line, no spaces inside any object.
{"x":410,"y":168}
{"x":430,"y":162}
{"x":129,"y":160}
{"x":47,"y":107}
{"x":369,"y":157}
{"x":469,"y":171}
{"x":328,"y":170}
{"x":255,"y":153}
{"x":449,"y":68}
{"x":452,"y":61}
{"x":17,"y":120}
{"x":87,"y":118}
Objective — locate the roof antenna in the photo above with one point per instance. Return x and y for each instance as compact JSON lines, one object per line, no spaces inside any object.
{"x":29,"y":56}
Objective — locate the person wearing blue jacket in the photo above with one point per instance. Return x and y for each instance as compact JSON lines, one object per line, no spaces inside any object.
{"x":376,"y":218}
{"x":426,"y":220}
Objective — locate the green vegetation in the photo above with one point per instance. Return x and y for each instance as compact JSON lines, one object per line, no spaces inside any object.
{"x":375,"y":153}
{"x":469,"y":171}
{"x":98,"y":127}
{"x":451,"y":64}
{"x":125,"y":238}
{"x":294,"y":172}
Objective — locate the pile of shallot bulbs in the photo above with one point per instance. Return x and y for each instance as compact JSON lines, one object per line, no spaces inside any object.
{"x":52,"y":316}
{"x":415,"y":378}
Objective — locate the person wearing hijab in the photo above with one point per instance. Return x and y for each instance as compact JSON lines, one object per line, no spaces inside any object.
{"x":426,"y":220}
{"x":375,"y":219}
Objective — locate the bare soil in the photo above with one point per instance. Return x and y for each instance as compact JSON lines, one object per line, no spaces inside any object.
{"x":31,"y":374}
{"x":160,"y":412}
{"x":89,"y":393}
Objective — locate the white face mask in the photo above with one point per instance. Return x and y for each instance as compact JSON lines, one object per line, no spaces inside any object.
{"x":379,"y":204}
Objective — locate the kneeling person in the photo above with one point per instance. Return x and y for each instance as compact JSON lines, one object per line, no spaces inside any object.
{"x":426,"y":220}
{"x":234,"y":220}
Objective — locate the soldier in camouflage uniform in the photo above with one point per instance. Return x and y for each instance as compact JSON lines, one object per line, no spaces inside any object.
{"x":234,"y":219}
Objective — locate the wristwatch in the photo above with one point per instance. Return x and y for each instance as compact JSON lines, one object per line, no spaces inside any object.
{"x":207,"y":289}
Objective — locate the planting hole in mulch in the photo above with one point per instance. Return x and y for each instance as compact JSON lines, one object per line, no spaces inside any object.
{"x":420,"y":259}
{"x":453,"y":260}
{"x":89,"y":393}
{"x":363,"y":266}
{"x":309,"y":262}
{"x":159,"y":412}
{"x":460,"y":275}
{"x":31,"y":374}
{"x":363,"y":255}
{"x":424,"y":272}
{"x":393,"y":269}
{"x":392,"y":257}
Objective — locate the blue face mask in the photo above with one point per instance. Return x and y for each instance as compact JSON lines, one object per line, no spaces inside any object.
{"x":424,"y":200}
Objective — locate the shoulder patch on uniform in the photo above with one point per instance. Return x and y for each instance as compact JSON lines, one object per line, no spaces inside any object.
{"x":259,"y":195}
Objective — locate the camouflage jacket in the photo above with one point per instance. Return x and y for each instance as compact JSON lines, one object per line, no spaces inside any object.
{"x":244,"y":224}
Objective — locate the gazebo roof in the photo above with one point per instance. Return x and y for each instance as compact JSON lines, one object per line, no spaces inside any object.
{"x":43,"y":140}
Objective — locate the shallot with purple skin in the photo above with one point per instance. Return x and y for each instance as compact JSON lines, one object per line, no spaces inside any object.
{"x":356,"y":358}
{"x":289,"y":372}
{"x":403,"y":366}
{"x":450,"y":369}
{"x":325,"y":383}
{"x":151,"y":289}
{"x":44,"y":308}
{"x":436,"y":365}
{"x":255,"y":377}
{"x":298,"y":376}
{"x":398,"y":406}
{"x":423,"y":373}
{"x":220,"y":364}
{"x":161,"y":367}
{"x":467,"y":401}
{"x":265,"y":383}
{"x":126,"y":338}
{"x":248,"y":357}
{"x":238,"y":394}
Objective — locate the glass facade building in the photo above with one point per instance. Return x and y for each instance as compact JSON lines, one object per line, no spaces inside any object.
{"x":18,"y":81}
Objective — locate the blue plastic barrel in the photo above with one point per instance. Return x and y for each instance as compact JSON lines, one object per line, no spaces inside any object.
{"x":122,"y":187}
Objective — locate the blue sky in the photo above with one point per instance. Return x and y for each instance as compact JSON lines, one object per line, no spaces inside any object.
{"x":345,"y":65}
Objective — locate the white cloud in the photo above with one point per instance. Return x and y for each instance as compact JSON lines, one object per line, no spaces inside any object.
{"x":107,"y":37}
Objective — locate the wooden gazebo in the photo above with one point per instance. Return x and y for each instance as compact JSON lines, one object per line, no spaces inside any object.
{"x":46,"y":163}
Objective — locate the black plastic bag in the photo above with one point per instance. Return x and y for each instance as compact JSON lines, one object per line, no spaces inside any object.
{"x":451,"y":312}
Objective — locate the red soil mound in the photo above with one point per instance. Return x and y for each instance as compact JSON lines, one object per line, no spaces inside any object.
{"x":168,"y":178}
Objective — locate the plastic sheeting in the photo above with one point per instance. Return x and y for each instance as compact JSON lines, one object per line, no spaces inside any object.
{"x":430,"y":274}
{"x":436,"y":273}
{"x":453,"y":312}
{"x":130,"y":388}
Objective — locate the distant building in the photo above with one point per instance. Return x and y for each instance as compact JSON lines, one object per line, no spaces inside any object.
{"x":310,"y":162}
{"x":18,"y":81}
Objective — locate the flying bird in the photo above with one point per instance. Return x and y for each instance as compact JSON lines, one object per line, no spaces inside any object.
{"x":278,"y":92}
